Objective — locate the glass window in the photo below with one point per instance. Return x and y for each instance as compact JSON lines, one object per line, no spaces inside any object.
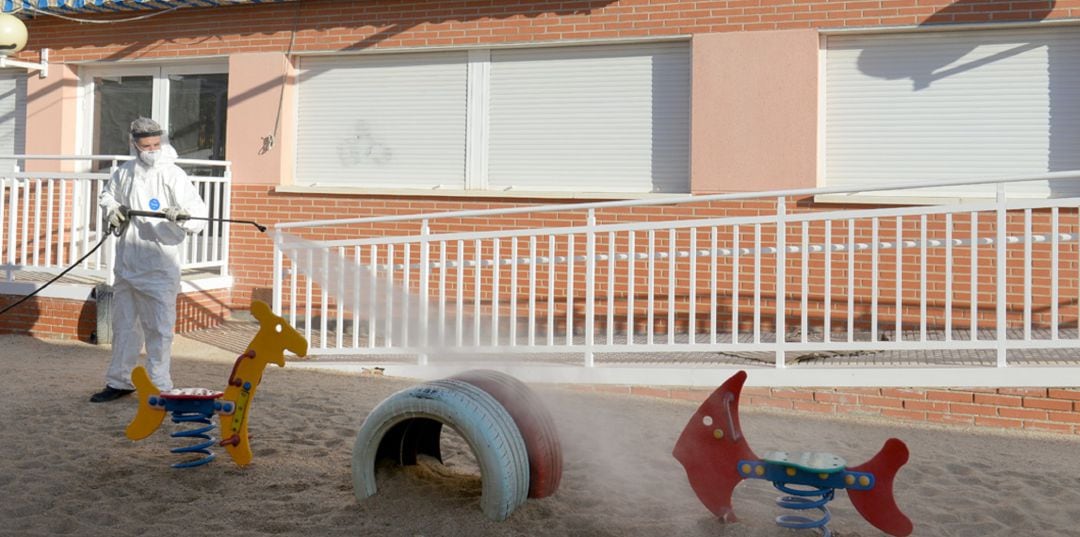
{"x":197,"y":105}
{"x":117,"y":101}
{"x":190,"y":101}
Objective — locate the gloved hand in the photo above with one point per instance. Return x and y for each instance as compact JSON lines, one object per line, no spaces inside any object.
{"x":176,"y":214}
{"x":117,"y":217}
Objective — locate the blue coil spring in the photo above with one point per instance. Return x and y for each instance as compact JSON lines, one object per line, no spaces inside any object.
{"x":201,"y":433}
{"x":801,"y":500}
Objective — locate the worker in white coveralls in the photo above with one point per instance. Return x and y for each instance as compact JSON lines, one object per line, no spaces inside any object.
{"x":147,"y":265}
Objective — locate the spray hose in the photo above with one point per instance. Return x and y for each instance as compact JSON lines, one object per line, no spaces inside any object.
{"x":120,"y":231}
{"x":116,"y":231}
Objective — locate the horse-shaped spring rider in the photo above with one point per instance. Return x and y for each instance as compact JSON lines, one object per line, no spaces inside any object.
{"x":716,"y":457}
{"x":233,"y":406}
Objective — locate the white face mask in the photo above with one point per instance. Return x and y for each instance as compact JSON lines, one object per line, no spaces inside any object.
{"x":150,"y":157}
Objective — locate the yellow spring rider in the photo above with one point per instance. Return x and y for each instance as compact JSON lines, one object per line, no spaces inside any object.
{"x":233,"y":406}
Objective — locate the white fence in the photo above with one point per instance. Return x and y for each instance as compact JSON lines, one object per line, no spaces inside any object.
{"x":982,"y":292}
{"x":48,"y":220}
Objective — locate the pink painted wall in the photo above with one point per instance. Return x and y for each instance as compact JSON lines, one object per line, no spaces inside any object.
{"x":255,"y":86}
{"x":754,"y":111}
{"x":51,"y":105}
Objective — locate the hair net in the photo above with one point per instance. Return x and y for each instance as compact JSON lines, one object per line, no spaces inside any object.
{"x":143,"y":127}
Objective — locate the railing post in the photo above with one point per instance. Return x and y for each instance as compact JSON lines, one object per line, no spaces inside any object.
{"x":1002,"y":335}
{"x":590,"y":285}
{"x":279,"y":266}
{"x":425,"y":275}
{"x":781,"y":273}
{"x":226,"y":228}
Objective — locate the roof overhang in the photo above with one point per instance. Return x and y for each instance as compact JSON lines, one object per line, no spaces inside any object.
{"x":29,"y":8}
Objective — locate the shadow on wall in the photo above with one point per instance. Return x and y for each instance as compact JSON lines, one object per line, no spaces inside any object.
{"x":22,"y":318}
{"x":935,"y":62}
{"x":88,"y":322}
{"x":195,"y":311}
{"x":942,"y":61}
{"x":188,"y":24}
{"x":49,"y":317}
{"x":386,"y":24}
{"x":283,"y":21}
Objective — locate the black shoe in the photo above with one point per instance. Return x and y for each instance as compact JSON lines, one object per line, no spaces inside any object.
{"x":109,"y":394}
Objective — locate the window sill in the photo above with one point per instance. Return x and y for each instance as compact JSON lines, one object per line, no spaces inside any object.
{"x":460,"y":193}
{"x":921,"y":198}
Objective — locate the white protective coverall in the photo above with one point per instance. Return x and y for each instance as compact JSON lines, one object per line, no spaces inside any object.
{"x":147,"y":264}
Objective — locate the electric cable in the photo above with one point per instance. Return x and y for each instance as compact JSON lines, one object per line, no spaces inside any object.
{"x":269,"y":141}
{"x":95,"y":21}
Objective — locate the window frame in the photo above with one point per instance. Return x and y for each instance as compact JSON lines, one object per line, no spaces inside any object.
{"x":160,"y":73}
{"x":477,"y":102}
{"x":907,"y":196}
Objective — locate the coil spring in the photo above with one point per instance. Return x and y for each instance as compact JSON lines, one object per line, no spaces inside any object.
{"x":202,"y":448}
{"x":801,"y":500}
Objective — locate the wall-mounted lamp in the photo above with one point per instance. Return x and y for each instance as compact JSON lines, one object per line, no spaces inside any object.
{"x":13,"y":39}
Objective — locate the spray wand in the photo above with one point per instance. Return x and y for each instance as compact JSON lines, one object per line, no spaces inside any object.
{"x":152,"y":214}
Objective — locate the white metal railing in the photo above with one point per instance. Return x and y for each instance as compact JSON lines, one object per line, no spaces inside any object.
{"x":49,"y":220}
{"x":641,"y":301}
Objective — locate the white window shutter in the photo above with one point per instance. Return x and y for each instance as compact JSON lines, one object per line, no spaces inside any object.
{"x":953,"y":104}
{"x":382,"y":121}
{"x":12,"y":114}
{"x":605,"y":118}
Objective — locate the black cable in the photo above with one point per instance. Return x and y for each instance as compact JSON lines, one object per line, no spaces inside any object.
{"x":127,"y":214}
{"x":61,"y":275}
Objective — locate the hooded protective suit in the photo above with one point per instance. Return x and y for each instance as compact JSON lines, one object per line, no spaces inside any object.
{"x":147,"y":264}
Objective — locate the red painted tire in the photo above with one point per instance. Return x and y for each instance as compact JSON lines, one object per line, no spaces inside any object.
{"x":533,"y":421}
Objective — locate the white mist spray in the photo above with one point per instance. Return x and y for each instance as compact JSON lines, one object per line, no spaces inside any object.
{"x":384,"y":307}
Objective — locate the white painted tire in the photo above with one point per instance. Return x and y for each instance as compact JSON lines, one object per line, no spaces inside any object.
{"x":534,"y":422}
{"x":410,"y":422}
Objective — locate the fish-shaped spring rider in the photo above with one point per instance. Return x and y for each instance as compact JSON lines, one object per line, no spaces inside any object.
{"x":233,"y":406}
{"x":717,"y":457}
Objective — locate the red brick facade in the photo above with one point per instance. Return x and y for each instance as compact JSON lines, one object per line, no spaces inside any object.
{"x":327,"y":26}
{"x":76,"y":319}
{"x":323,"y":25}
{"x":1040,"y":409}
{"x":50,"y":318}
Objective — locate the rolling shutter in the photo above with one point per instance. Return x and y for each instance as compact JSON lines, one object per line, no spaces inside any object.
{"x":12,"y":114}
{"x":953,"y":104}
{"x":382,"y":121}
{"x":590,"y":118}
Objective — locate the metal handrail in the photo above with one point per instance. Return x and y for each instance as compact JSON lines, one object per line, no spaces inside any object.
{"x":1052,"y":176}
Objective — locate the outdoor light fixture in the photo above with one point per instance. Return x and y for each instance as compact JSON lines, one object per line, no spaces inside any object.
{"x":13,"y":37}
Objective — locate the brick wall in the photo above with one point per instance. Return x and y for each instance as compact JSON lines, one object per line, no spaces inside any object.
{"x":75,"y":319}
{"x":49,"y":318}
{"x":202,"y":309}
{"x":327,"y":25}
{"x":1055,"y":410}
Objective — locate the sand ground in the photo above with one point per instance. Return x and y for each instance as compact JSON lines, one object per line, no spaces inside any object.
{"x":67,"y":468}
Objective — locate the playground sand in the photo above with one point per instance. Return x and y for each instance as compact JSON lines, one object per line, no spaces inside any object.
{"x":66,"y":467}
